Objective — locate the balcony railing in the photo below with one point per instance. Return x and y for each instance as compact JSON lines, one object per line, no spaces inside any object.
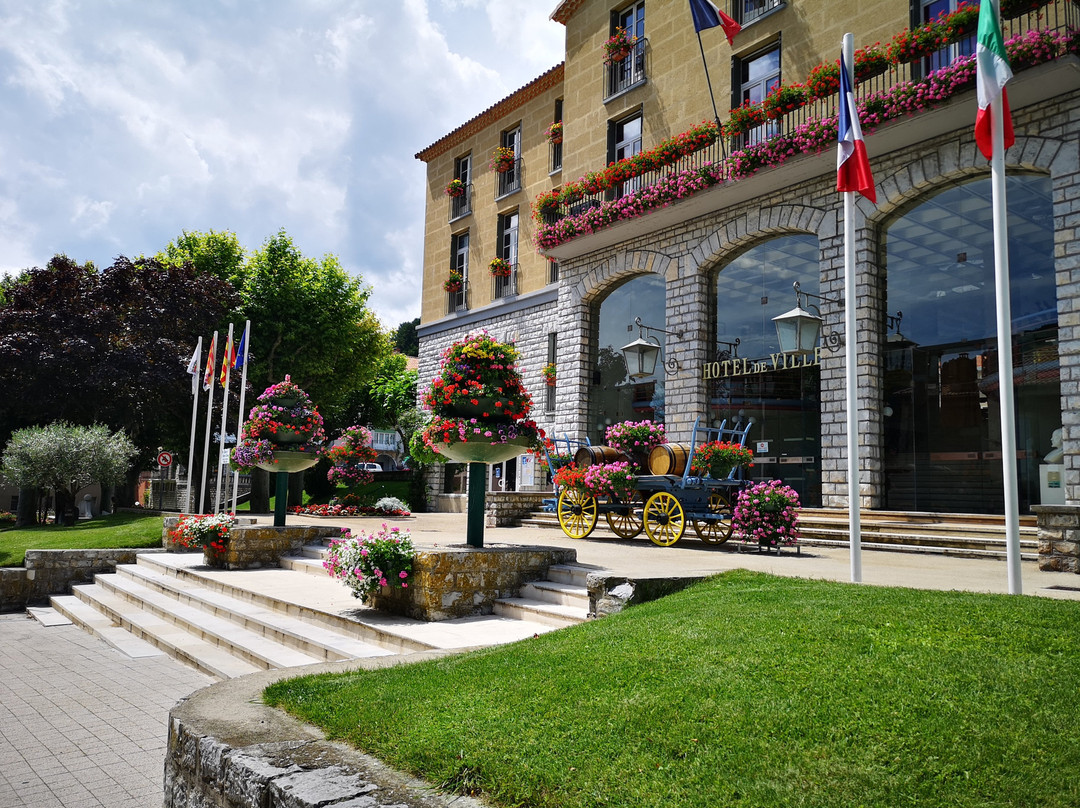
{"x":1062,"y":16}
{"x":509,"y":181}
{"x":750,"y":10}
{"x":629,"y":72}
{"x":458,"y":301}
{"x":461,"y":205}
{"x":504,"y":285}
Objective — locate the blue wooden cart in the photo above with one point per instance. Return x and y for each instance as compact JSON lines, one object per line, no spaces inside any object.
{"x":662,"y":504}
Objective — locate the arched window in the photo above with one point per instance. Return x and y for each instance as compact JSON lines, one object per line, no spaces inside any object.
{"x":613,"y":396}
{"x":753,"y":381}
{"x":941,"y":382}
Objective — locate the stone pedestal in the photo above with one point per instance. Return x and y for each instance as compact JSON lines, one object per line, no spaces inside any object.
{"x":1059,"y":537}
{"x":461,"y":581}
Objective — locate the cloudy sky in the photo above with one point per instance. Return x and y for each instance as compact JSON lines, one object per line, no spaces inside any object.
{"x":128,"y":122}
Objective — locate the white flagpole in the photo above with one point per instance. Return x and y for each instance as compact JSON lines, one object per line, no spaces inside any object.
{"x":194,"y":415}
{"x":850,"y":358}
{"x":243,"y":393}
{"x":226,"y":361}
{"x":1005,"y":356}
{"x":206,"y":440}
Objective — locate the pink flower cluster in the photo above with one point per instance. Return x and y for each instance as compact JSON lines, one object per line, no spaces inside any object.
{"x":609,"y":480}
{"x":767,"y":513}
{"x":1025,"y":50}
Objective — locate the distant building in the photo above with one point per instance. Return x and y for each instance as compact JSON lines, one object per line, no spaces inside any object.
{"x":711,"y":257}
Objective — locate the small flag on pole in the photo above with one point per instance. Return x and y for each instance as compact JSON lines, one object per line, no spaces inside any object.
{"x":193,"y":371}
{"x":208,"y":377}
{"x":706,"y":15}
{"x":228,"y":360}
{"x":241,"y":351}
{"x":992,"y":64}
{"x":852,"y":162}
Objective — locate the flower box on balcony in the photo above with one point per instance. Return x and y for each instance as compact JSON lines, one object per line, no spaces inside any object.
{"x":554,"y":133}
{"x":782,"y":100}
{"x":619,"y":46}
{"x":500,"y":267}
{"x":455,"y":188}
{"x":502,"y":160}
{"x":1010,"y":9}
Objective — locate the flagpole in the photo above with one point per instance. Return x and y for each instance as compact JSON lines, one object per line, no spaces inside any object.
{"x":1005,"y":356}
{"x":708,"y":81}
{"x":240,"y":416}
{"x":194,"y":417}
{"x":850,"y":358}
{"x":209,"y":423}
{"x":226,"y":365}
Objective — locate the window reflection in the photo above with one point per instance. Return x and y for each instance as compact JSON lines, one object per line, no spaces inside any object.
{"x":941,"y":377}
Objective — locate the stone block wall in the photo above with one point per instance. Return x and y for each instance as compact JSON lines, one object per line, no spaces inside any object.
{"x":504,"y":508}
{"x":1059,"y":537}
{"x":462,"y":581}
{"x":252,"y":546}
{"x":54,"y":572}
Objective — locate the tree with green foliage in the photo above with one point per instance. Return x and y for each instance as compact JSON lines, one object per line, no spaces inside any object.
{"x":406,"y":340}
{"x":66,"y":458}
{"x":309,"y":319}
{"x":217,"y":253}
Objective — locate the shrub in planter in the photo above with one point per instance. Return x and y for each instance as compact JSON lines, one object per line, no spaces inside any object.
{"x":767,"y":514}
{"x":718,"y":458}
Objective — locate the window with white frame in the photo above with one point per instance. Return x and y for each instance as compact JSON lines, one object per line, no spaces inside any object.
{"x":755,"y":77}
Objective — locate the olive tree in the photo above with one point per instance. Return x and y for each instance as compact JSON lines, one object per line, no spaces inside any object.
{"x":65,"y":458}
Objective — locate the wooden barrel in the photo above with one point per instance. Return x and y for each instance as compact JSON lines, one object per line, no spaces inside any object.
{"x":669,"y":458}
{"x":587,"y":455}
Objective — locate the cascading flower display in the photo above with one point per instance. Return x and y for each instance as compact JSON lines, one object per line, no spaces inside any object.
{"x":348,"y":456}
{"x":479,"y":397}
{"x":284,"y":419}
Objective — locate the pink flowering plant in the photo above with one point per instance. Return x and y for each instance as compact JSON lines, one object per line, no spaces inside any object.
{"x":367,"y":564}
{"x":609,"y":480}
{"x":348,"y":456}
{"x":767,"y":514}
{"x":283,"y":419}
{"x":635,"y":436}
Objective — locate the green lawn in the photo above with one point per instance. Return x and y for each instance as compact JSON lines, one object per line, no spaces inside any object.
{"x":745,"y":690}
{"x":117,"y":530}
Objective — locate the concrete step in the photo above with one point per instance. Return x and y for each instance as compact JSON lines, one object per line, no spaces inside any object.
{"x":569,"y":574}
{"x":560,"y":593}
{"x":316,"y":641}
{"x":94,"y":622}
{"x":305,"y":564}
{"x":540,"y":611}
{"x":254,"y":648}
{"x":385,"y":638}
{"x":163,"y":634}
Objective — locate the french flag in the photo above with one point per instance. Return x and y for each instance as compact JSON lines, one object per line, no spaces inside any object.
{"x":707,"y":15}
{"x":852,"y":164}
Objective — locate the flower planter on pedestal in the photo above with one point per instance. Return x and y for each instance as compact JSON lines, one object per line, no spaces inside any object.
{"x":287,"y":463}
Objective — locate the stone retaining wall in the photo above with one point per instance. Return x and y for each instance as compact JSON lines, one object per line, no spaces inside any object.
{"x":461,"y":581}
{"x":505,"y":508}
{"x":1059,"y":537}
{"x":54,"y":572}
{"x":229,"y":750}
{"x":252,"y":545}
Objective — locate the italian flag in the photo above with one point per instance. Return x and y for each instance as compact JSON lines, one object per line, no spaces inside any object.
{"x":993,"y":72}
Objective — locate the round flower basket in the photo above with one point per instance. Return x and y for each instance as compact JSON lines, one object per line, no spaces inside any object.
{"x":476,"y":452}
{"x":290,"y":462}
{"x":287,"y":402}
{"x":484,"y":408}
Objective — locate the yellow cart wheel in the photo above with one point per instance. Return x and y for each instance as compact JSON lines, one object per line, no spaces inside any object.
{"x":625,"y":523}
{"x":664,"y":519}
{"x":715,"y":532}
{"x":577,"y":513}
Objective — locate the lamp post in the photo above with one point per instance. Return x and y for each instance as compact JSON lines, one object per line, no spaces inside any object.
{"x":641,"y":354}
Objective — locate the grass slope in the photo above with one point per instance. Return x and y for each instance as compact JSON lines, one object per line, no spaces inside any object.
{"x":118,"y":530}
{"x":744,"y":690}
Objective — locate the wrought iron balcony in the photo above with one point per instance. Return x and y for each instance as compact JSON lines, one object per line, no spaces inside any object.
{"x":458,"y":301}
{"x":504,"y":285}
{"x":461,"y":205}
{"x":750,"y":10}
{"x":626,"y":73}
{"x":509,"y":181}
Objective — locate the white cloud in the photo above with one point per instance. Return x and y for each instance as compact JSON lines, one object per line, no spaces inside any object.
{"x":131,"y":121}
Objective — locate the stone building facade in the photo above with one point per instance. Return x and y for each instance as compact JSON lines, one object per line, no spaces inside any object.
{"x":927,"y":388}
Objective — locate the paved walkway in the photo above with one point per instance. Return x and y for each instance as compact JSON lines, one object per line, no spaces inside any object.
{"x":84,"y":726}
{"x":81,"y":724}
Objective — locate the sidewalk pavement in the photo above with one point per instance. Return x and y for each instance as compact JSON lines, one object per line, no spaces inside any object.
{"x":82,"y":725}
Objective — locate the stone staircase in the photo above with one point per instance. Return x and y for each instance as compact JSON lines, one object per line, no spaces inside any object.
{"x":963,"y":535}
{"x":228,"y":624}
